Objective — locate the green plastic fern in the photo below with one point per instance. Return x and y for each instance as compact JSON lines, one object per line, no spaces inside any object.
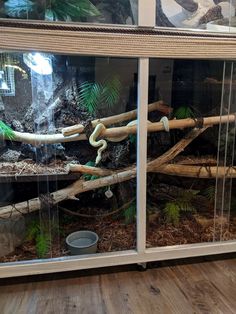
{"x":130,"y":214}
{"x":6,"y":131}
{"x":133,"y":139}
{"x":54,"y":10}
{"x":41,"y":238}
{"x":88,"y":177}
{"x":33,"y":230}
{"x":185,"y":200}
{"x":183,"y":203}
{"x":42,"y":245}
{"x":184,"y":112}
{"x":111,"y":91}
{"x":60,"y":10}
{"x":172,"y":213}
{"x":92,"y":95}
{"x":209,"y":193}
{"x":19,"y":8}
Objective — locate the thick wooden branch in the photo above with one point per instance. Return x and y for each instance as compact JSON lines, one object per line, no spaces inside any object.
{"x":192,"y":160}
{"x":119,"y":132}
{"x":94,"y":171}
{"x":131,"y":115}
{"x":173,"y":124}
{"x":37,"y":139}
{"x":202,"y":172}
{"x":81,"y":186}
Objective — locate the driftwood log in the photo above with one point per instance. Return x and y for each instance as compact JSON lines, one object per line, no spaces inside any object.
{"x":81,"y":186}
{"x":117,"y":132}
{"x":160,"y":164}
{"x":126,"y":116}
{"x":202,"y":172}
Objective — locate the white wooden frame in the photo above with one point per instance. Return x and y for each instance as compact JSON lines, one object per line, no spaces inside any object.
{"x":147,"y":9}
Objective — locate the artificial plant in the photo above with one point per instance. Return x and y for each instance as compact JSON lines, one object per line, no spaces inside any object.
{"x":6,"y":131}
{"x":92,"y":95}
{"x":54,"y":10}
{"x":182,"y":203}
{"x":184,"y":112}
{"x":41,"y":238}
{"x":130,"y":213}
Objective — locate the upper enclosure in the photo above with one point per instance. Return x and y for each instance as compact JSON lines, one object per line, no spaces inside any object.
{"x":91,"y":11}
{"x":207,"y":15}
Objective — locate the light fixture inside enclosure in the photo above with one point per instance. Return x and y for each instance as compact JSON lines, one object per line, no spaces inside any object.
{"x":3,"y":84}
{"x":38,"y":62}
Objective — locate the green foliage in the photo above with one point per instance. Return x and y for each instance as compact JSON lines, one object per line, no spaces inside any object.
{"x":33,"y":230}
{"x":61,"y":10}
{"x":133,"y":139}
{"x":172,"y":212}
{"x":185,"y":198}
{"x":42,"y":245}
{"x":130,"y":214}
{"x":209,"y":193}
{"x":111,"y":91}
{"x":92,"y":95}
{"x":88,"y":177}
{"x":6,"y":131}
{"x":54,"y":10}
{"x":41,"y":238}
{"x":18,"y":8}
{"x":184,"y":112}
{"x":182,"y":203}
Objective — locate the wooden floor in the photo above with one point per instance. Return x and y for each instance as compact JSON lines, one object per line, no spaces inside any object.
{"x":199,"y":287}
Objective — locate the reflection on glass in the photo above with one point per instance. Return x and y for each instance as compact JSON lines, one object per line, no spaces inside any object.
{"x":59,"y":173}
{"x":224,"y":224}
{"x":190,"y":185}
{"x":212,"y":15}
{"x":93,"y":11}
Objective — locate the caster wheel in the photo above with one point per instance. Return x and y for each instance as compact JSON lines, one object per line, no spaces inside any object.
{"x":142,"y":266}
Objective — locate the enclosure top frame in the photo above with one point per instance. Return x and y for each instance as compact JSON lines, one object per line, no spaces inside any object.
{"x":144,"y":40}
{"x":114,"y":41}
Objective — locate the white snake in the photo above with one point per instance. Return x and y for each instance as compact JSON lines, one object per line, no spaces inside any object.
{"x":93,"y":141}
{"x":102,"y":144}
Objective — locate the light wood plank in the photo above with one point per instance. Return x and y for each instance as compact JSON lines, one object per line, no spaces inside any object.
{"x":206,"y":287}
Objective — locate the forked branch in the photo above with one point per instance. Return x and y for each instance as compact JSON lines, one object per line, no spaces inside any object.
{"x":81,"y":186}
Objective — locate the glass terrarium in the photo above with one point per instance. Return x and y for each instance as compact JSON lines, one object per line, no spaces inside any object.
{"x":90,"y":11}
{"x":53,"y":111}
{"x":191,"y":198}
{"x":117,"y":142}
{"x":210,"y":15}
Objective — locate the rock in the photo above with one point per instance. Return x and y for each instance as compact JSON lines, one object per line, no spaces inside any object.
{"x":43,"y":153}
{"x":46,"y":153}
{"x":17,"y":126}
{"x":12,"y":234}
{"x":120,"y":154}
{"x":10,"y":156}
